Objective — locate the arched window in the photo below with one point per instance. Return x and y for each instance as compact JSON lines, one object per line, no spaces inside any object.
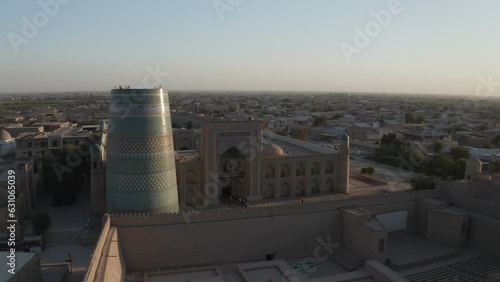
{"x":301,"y":169}
{"x":301,"y":189}
{"x":192,"y":177}
{"x":285,"y":170}
{"x":329,"y":185}
{"x":285,"y":190}
{"x":315,"y":169}
{"x":270,"y":171}
{"x":329,"y":167}
{"x":269,"y":193}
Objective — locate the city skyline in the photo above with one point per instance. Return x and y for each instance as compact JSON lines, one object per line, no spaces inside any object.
{"x":414,"y":46}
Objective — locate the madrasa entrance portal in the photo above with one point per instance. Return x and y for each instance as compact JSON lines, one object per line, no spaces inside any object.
{"x":232,"y":168}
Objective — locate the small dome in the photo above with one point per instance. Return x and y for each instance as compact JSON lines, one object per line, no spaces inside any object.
{"x":473,"y":165}
{"x":272,"y":150}
{"x":5,"y":135}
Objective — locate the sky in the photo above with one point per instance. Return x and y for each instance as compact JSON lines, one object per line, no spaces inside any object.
{"x":419,"y":46}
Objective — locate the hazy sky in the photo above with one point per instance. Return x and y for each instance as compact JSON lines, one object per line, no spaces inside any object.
{"x":432,"y":46}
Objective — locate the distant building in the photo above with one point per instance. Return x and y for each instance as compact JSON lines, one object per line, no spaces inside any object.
{"x":31,"y":145}
{"x":361,"y":131}
{"x":17,"y":130}
{"x":423,"y":139}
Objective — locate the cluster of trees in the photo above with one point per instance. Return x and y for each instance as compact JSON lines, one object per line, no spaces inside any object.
{"x":410,"y":118}
{"x":370,"y":171}
{"x":393,"y":152}
{"x":322,"y":109}
{"x":493,"y":143}
{"x":319,"y":120}
{"x":422,"y":182}
{"x":65,"y":171}
{"x":297,"y":133}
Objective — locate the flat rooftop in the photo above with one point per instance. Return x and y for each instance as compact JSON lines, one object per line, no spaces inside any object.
{"x":294,"y":147}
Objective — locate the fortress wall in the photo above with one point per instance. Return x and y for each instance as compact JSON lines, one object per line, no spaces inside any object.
{"x":484,"y":234}
{"x":245,"y":234}
{"x":222,"y":242}
{"x":124,"y":220}
{"x":476,"y":197}
{"x":95,"y":271}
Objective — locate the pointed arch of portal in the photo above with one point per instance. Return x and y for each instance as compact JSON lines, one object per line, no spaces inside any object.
{"x":233,"y":174}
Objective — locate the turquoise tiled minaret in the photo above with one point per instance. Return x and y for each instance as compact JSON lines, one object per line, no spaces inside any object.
{"x":140,"y":169}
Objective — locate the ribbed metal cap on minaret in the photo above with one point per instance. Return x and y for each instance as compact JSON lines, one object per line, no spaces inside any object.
{"x":140,"y":171}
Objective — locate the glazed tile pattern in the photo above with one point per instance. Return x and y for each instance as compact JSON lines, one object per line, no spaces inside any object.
{"x":140,"y":174}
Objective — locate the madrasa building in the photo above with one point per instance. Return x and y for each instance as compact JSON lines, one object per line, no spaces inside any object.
{"x":142,"y":165}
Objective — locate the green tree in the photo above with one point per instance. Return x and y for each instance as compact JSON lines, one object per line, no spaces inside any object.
{"x":420,"y":119}
{"x":459,"y":153}
{"x":422,"y":182}
{"x":438,"y":146}
{"x":496,"y":141}
{"x":488,"y":145}
{"x":41,"y":222}
{"x":370,"y":171}
{"x":363,"y":171}
{"x":281,"y":132}
{"x":338,"y":116}
{"x":319,"y":120}
{"x":299,"y":133}
{"x":389,"y":139}
{"x":410,"y":118}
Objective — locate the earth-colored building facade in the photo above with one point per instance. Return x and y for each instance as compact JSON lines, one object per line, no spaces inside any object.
{"x":237,"y":159}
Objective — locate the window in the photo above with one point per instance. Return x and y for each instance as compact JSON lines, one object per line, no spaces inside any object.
{"x":301,"y":170}
{"x":29,"y":144}
{"x":315,"y":168}
{"x":285,"y":171}
{"x":30,"y":153}
{"x":329,"y":167}
{"x":192,"y":177}
{"x":269,"y":172}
